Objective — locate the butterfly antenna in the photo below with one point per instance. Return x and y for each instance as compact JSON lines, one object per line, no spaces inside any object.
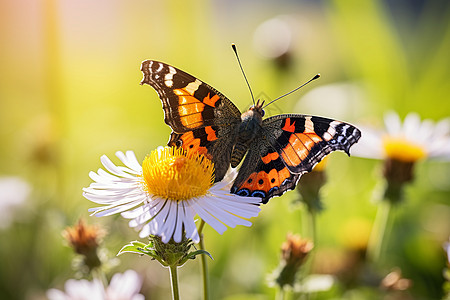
{"x":243,"y":73}
{"x":282,"y":96}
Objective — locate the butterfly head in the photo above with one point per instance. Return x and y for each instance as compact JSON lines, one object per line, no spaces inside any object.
{"x":251,"y":121}
{"x":257,"y":109}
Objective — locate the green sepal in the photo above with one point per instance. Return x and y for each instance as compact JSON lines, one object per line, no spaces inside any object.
{"x":138,"y":248}
{"x":167,"y":254}
{"x":193,"y":254}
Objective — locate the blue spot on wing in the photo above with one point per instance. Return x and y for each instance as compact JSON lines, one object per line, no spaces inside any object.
{"x":259,"y":194}
{"x":243,"y":192}
{"x":274,"y":189}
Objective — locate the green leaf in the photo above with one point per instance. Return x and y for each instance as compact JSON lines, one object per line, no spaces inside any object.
{"x":138,"y":248}
{"x":192,"y":255}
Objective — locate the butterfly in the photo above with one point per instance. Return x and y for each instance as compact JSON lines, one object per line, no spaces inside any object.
{"x":275,"y":151}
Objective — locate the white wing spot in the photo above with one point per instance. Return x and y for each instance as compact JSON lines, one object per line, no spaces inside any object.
{"x":193,"y":86}
{"x":169,"y":76}
{"x":329,"y":134}
{"x":160,"y":67}
{"x":309,"y":125}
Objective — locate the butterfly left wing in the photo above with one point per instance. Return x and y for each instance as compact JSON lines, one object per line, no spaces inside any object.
{"x":287,"y":147}
{"x":202,"y":119}
{"x":188,"y":102}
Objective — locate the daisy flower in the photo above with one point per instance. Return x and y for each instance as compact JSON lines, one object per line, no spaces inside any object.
{"x":124,"y":286}
{"x":408,"y":142}
{"x":401,"y":146}
{"x":164,"y":194}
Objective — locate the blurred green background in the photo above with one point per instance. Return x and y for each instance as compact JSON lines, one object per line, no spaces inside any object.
{"x":69,"y":93}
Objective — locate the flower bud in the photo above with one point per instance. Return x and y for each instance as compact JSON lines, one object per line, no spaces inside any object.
{"x":85,"y":239}
{"x":294,"y":252}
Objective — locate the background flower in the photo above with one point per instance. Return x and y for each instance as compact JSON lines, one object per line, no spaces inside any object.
{"x":123,"y":286}
{"x":409,"y":141}
{"x":14,"y":192}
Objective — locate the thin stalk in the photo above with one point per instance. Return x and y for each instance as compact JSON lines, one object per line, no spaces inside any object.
{"x":309,"y":231}
{"x":280,"y":294}
{"x":309,"y":225}
{"x":174,"y":280}
{"x":204,"y":263}
{"x":100,"y":275}
{"x":378,"y":234}
{"x":312,"y":226}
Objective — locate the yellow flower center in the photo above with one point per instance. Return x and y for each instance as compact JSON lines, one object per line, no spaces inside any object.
{"x":172,"y":173}
{"x":402,"y":149}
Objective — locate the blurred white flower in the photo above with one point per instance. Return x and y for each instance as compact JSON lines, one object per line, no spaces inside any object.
{"x":14,"y":191}
{"x":163,"y":195}
{"x":409,"y":142}
{"x":342,"y":101}
{"x":124,"y":286}
{"x":316,"y":283}
{"x":273,"y":38}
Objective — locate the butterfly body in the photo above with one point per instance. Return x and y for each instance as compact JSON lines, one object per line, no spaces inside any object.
{"x":273,"y":152}
{"x":248,"y":129}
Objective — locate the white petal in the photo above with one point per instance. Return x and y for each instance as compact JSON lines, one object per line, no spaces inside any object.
{"x":111,"y":167}
{"x":157,"y":222}
{"x":136,"y":212}
{"x":124,"y":286}
{"x":145,"y":231}
{"x":170,"y":222}
{"x":205,"y":216}
{"x":424,"y":135}
{"x":442,"y":128}
{"x":150,"y":211}
{"x":411,"y":126}
{"x":245,"y":210}
{"x":119,"y":198}
{"x":188,"y":221}
{"x":133,"y":163}
{"x":221,"y":214}
{"x":392,"y":123}
{"x":178,"y":233}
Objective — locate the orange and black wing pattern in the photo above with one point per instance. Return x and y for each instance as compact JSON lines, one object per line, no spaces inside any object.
{"x":289,"y":146}
{"x":201,"y":118}
{"x":188,"y":103}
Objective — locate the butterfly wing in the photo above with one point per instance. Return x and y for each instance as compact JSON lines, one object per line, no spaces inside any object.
{"x":287,"y":147}
{"x":201,"y":118}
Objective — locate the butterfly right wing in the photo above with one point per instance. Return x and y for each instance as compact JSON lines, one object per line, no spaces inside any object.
{"x":289,"y":146}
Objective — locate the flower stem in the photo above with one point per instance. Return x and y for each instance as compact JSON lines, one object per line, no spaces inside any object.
{"x":174,"y":280}
{"x":309,"y":227}
{"x":312,"y":226}
{"x":100,"y":275}
{"x":310,"y":232}
{"x":378,"y":234}
{"x":280,"y":294}
{"x":204,"y":263}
